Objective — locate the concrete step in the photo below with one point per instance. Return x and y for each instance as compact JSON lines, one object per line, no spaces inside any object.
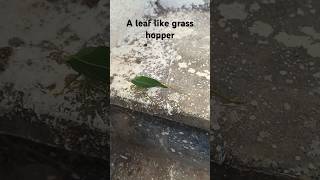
{"x":182,"y":63}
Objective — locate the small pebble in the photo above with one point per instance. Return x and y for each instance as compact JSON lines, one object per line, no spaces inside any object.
{"x":123,"y":157}
{"x":287,"y":106}
{"x":252,"y":117}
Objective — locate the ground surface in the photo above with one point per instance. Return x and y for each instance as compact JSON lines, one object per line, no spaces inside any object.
{"x":182,"y":63}
{"x":26,"y":160}
{"x":138,"y":162}
{"x":36,"y":37}
{"x":264,"y":52}
{"x":267,"y":53}
{"x":146,"y":147}
{"x":33,"y":69}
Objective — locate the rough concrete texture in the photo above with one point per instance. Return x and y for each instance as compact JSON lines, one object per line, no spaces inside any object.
{"x":22,"y":159}
{"x":136,"y":162}
{"x":35,"y":37}
{"x":148,"y":147}
{"x":184,"y":142}
{"x":182,"y":62}
{"x":267,"y":53}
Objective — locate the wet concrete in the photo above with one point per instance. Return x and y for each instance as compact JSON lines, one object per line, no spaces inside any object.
{"x":266,"y":54}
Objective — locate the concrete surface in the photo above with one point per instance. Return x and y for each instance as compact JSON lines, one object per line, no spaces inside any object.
{"x":267,"y":53}
{"x":160,"y":133}
{"x":174,"y":139}
{"x":148,"y":147}
{"x":182,"y":63}
{"x":136,"y":162}
{"x":22,"y":159}
{"x":35,"y":37}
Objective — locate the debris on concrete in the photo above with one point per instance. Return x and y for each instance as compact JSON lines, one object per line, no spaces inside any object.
{"x":36,"y":37}
{"x":182,"y":62}
{"x":271,"y":63}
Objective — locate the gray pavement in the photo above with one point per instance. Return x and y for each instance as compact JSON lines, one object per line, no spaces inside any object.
{"x":267,"y":53}
{"x":36,"y":36}
{"x":182,"y":63}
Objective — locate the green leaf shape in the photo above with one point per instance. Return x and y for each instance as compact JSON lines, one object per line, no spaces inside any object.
{"x":147,"y":82}
{"x":92,"y":62}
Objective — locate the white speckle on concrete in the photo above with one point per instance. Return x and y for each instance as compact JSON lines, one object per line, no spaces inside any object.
{"x":264,"y":134}
{"x":204,"y":74}
{"x":180,"y":3}
{"x":254,"y":103}
{"x":171,"y":173}
{"x":261,"y":28}
{"x":292,"y":15}
{"x":293,"y":40}
{"x":313,"y":11}
{"x":282,"y":72}
{"x":289,"y":81}
{"x":125,"y":10}
{"x":287,"y":106}
{"x":174,"y":97}
{"x":268,"y":77}
{"x":300,"y":12}
{"x":254,"y":7}
{"x":306,"y":42}
{"x":182,"y":65}
{"x":309,"y":30}
{"x":123,"y":157}
{"x":316,"y":75}
{"x":315,"y":149}
{"x":191,"y":70}
{"x":313,"y":49}
{"x":268,"y":1}
{"x":252,"y":117}
{"x":164,"y":133}
{"x":233,"y":11}
{"x":311,"y":166}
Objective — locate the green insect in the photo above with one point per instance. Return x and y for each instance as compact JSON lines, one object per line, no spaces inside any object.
{"x":147,"y":82}
{"x":92,"y":63}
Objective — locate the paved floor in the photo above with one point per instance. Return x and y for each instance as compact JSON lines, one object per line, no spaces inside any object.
{"x":267,"y":54}
{"x":182,"y":63}
{"x":25,"y":160}
{"x":36,"y":34}
{"x":129,"y":161}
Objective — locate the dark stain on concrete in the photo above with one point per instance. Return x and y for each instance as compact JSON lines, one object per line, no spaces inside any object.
{"x":5,"y":53}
